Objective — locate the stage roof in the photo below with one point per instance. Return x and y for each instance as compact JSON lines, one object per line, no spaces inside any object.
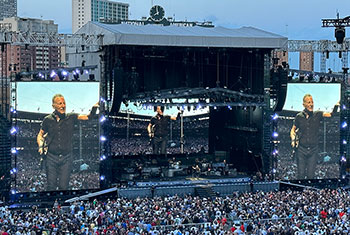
{"x":180,"y":36}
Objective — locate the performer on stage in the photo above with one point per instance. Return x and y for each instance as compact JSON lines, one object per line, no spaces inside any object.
{"x":158,"y":131}
{"x":304,"y":135}
{"x":55,"y":142}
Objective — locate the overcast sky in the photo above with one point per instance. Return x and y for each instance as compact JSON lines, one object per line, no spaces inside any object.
{"x":297,"y":19}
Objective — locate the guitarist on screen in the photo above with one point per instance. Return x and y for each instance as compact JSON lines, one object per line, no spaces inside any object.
{"x":158,"y":130}
{"x":304,"y":136}
{"x":55,"y":142}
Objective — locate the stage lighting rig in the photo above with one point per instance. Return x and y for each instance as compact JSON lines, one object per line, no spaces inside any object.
{"x":339,"y":25}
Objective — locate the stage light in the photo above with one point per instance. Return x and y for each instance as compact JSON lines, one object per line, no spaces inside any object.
{"x":86,"y":71}
{"x":343,"y":106}
{"x":103,"y":157}
{"x":344,"y":124}
{"x":274,"y":171}
{"x":53,"y":74}
{"x":275,"y":116}
{"x":229,"y":107}
{"x":339,"y":34}
{"x":275,"y":152}
{"x":13,"y":150}
{"x":64,"y":73}
{"x":13,"y":171}
{"x":102,"y":119}
{"x":274,"y":134}
{"x":345,"y":142}
{"x":13,"y":191}
{"x":12,"y":110}
{"x":343,"y":159}
{"x":75,"y":75}
{"x":103,"y":138}
{"x":13,"y":130}
{"x":102,"y":177}
{"x":102,"y":100}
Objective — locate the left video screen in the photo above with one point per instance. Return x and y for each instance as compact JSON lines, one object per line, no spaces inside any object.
{"x":57,"y":137}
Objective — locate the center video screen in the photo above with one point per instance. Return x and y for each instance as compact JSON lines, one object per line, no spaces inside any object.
{"x":57,"y":137}
{"x":311,"y":150}
{"x":143,"y":130}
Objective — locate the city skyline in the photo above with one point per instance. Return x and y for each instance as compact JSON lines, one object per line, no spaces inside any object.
{"x":297,"y":21}
{"x":274,"y":16}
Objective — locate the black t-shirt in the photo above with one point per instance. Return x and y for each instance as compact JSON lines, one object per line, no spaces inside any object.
{"x":60,"y":133}
{"x":308,"y":128}
{"x":160,"y":124}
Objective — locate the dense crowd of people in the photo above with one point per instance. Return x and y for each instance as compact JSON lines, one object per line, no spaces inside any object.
{"x":31,"y":175}
{"x":323,"y":211}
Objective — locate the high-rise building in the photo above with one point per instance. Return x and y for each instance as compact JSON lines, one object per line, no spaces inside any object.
{"x":8,"y":8}
{"x":84,"y":11}
{"x":306,"y":61}
{"x":21,"y":58}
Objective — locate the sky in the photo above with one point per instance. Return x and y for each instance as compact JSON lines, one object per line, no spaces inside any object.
{"x":37,"y":96}
{"x":325,"y":96}
{"x":295,"y":19}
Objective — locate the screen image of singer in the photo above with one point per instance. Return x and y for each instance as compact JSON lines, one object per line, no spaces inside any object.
{"x":33,"y":104}
{"x":131,"y":127}
{"x":314,"y":152}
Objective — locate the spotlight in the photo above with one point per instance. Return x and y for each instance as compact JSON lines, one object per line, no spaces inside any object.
{"x":274,"y":134}
{"x":343,"y":106}
{"x":102,"y":100}
{"x":75,"y":75}
{"x":344,"y":124}
{"x":343,"y":159}
{"x":13,"y":150}
{"x":103,"y":157}
{"x":345,"y":142}
{"x":275,"y":152}
{"x":103,"y":138}
{"x":13,"y":171}
{"x":339,"y":34}
{"x":13,"y":130}
{"x":102,"y":119}
{"x":13,"y":191}
{"x":53,"y":74}
{"x":275,"y":116}
{"x":229,"y":107}
{"x":102,"y":177}
{"x":62,"y":74}
{"x":12,"y":110}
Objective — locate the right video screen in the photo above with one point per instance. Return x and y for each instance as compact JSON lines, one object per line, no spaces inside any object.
{"x":309,"y":127}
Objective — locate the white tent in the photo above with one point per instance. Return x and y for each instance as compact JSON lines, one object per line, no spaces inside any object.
{"x":180,"y":36}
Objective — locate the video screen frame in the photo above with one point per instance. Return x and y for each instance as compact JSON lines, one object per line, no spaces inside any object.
{"x":32,"y":103}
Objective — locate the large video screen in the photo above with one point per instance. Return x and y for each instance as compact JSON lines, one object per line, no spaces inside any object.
{"x":309,"y":132}
{"x":57,"y":136}
{"x":142,"y":129}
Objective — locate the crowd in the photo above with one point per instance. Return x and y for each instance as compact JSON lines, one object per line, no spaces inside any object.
{"x":328,"y":162}
{"x":31,"y":175}
{"x":283,"y":212}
